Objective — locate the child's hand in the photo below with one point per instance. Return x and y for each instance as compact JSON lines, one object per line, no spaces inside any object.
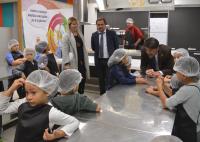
{"x":159,"y":82}
{"x":141,"y":80}
{"x":167,"y":78}
{"x":52,"y":136}
{"x":152,"y":90}
{"x":16,"y":84}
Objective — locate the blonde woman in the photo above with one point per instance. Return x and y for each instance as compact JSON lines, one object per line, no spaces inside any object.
{"x":74,"y":52}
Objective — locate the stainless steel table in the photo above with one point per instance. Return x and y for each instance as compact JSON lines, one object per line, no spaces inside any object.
{"x":129,"y":114}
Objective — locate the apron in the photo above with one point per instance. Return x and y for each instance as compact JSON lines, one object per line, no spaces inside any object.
{"x":184,"y":127}
{"x":33,"y":120}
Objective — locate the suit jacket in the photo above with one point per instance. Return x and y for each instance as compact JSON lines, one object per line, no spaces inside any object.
{"x":165,"y":60}
{"x":69,"y":49}
{"x":112,"y":43}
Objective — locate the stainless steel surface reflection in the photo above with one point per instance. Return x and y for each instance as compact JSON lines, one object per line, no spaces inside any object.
{"x":129,"y":114}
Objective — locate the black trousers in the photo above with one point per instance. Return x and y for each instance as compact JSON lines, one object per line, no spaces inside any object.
{"x":102,"y":70}
{"x":82,"y":70}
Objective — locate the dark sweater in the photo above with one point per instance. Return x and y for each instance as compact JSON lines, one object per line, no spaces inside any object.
{"x":71,"y":104}
{"x":118,"y":74}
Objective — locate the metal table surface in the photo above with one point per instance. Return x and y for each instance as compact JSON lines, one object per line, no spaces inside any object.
{"x":129,"y":114}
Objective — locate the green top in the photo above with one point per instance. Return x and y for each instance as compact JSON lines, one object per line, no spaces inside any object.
{"x":71,"y":104}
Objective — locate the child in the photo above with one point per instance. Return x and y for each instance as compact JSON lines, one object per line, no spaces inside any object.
{"x":30,"y":64}
{"x":118,"y":72}
{"x":186,"y":99}
{"x":34,"y":114}
{"x":70,"y":101}
{"x":14,"y":58}
{"x":43,"y":49}
{"x":180,"y":52}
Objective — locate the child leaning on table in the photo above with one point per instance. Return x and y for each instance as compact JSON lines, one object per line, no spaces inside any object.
{"x":70,"y":101}
{"x":35,"y":116}
{"x":171,"y":84}
{"x":186,"y":100}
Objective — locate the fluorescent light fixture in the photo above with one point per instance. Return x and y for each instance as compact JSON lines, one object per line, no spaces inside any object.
{"x":153,"y":1}
{"x":101,"y":4}
{"x":166,"y":1}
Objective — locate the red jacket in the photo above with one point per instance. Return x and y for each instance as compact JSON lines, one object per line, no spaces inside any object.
{"x":136,"y":32}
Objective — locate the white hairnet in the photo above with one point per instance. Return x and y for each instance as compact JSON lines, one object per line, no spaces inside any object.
{"x":175,"y":83}
{"x":44,"y":80}
{"x":12,"y":43}
{"x":117,"y":57}
{"x":166,"y":138}
{"x":182,"y":51}
{"x":69,"y":79}
{"x":129,"y":20}
{"x":29,"y":51}
{"x":129,"y":60}
{"x":187,"y":66}
{"x":42,"y":61}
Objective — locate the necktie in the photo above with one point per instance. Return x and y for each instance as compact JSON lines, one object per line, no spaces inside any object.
{"x":155,"y":64}
{"x":101,"y":45}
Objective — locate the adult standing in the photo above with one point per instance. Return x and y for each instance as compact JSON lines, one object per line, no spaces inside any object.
{"x":104,"y":42}
{"x":74,"y":53}
{"x":133,"y":35}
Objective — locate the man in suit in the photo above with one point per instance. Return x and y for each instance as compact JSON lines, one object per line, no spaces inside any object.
{"x":156,"y":60}
{"x":103,"y":43}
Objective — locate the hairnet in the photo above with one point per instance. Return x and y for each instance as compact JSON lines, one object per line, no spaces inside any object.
{"x":175,"y":83}
{"x":187,"y":66}
{"x":44,"y":80}
{"x":182,"y":51}
{"x":166,"y":138}
{"x":41,"y":46}
{"x":129,"y":61}
{"x":12,"y":43}
{"x":42,"y":61}
{"x":29,"y":51}
{"x":69,"y":79}
{"x":117,"y":57}
{"x":129,"y":20}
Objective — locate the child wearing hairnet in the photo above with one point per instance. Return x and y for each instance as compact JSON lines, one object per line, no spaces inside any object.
{"x":45,"y":58}
{"x":14,"y":58}
{"x":118,"y":72}
{"x":186,"y":100}
{"x":69,"y":100}
{"x":171,"y":83}
{"x":35,"y":116}
{"x":29,"y":65}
